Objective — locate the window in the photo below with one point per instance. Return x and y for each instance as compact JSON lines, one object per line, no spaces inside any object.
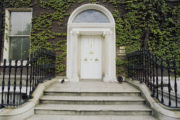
{"x":91,"y":16}
{"x":19,"y":34}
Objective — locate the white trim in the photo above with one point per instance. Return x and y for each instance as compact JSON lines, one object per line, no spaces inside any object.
{"x":6,"y":37}
{"x":91,"y":25}
{"x":7,"y":27}
{"x":91,"y":6}
{"x":107,"y":30}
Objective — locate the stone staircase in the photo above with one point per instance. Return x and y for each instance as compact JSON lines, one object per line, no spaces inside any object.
{"x":92,"y":100}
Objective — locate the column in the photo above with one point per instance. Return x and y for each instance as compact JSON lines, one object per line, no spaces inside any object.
{"x":110,"y":72}
{"x":73,"y":52}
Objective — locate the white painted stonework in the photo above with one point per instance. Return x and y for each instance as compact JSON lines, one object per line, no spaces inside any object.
{"x":91,"y":57}
{"x":91,"y":50}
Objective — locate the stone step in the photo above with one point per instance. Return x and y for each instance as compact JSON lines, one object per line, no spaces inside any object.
{"x":91,"y":88}
{"x":94,"y":93}
{"x":99,"y":117}
{"x":57,"y":109}
{"x":106,"y":100}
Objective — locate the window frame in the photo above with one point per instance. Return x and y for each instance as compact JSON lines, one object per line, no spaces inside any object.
{"x":6,"y":48}
{"x":85,"y":12}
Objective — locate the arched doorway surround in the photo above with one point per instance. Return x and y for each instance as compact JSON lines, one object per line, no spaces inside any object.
{"x":91,"y":50}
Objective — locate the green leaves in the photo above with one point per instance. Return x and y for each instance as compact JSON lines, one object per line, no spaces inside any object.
{"x":46,"y":29}
{"x":163,"y":22}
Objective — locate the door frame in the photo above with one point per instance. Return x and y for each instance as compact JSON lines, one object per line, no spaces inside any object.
{"x":106,"y":30}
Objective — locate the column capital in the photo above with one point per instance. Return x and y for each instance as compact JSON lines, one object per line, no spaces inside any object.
{"x":107,"y":32}
{"x":74,"y":32}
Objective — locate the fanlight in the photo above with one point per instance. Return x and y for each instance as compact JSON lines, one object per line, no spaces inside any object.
{"x":91,"y":16}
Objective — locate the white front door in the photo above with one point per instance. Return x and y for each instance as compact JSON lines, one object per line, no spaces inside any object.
{"x":91,"y":55}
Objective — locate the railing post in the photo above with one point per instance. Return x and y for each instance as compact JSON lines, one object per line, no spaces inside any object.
{"x":138,"y":67}
{"x":157,"y":81}
{"x":31,"y":74}
{"x":35,"y":69}
{"x":9,"y":81}
{"x":175,"y":83}
{"x":15,"y":73}
{"x":162,"y":84}
{"x":150,"y":71}
{"x":153,"y":66}
{"x":40,"y":65}
{"x":169,"y":82}
{"x":141,"y":66}
{"x":3,"y":83}
{"x":27,"y":75}
{"x":20,"y":83}
{"x":38,"y":68}
{"x":145,"y":69}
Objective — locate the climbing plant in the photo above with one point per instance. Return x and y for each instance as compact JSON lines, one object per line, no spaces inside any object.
{"x":150,"y":24}
{"x":140,"y":24}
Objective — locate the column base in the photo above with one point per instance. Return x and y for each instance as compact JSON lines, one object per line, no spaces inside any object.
{"x":73,"y":79}
{"x":110,"y":79}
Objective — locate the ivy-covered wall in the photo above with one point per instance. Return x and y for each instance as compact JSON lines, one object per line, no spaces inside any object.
{"x":148,"y":24}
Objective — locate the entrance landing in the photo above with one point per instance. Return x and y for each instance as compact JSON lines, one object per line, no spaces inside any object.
{"x":92,"y":86}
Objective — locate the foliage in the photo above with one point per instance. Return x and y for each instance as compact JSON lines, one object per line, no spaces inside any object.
{"x":133,"y":19}
{"x":161,"y":20}
{"x":43,"y":34}
{"x":17,"y":3}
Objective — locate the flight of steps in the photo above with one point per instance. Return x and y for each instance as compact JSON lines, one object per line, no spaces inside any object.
{"x":92,"y":101}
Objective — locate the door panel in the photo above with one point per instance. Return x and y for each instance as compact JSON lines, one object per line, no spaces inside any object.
{"x":91,"y":57}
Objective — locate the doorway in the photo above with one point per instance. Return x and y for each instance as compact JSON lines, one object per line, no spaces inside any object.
{"x":91,"y":48}
{"x":91,"y":57}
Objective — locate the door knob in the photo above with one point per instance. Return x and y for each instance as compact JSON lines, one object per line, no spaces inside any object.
{"x":85,"y":59}
{"x":96,"y":59}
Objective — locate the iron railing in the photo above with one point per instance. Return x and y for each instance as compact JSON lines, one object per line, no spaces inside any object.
{"x":19,"y":78}
{"x":162,"y":77}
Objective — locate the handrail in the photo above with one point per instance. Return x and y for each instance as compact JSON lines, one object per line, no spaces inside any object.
{"x":162,"y":77}
{"x":19,"y":80}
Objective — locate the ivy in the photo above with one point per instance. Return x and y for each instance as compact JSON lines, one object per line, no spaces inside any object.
{"x":161,"y":20}
{"x":44,"y":35}
{"x":80,"y":1}
{"x":151,"y":24}
{"x":155,"y":19}
{"x":18,"y":3}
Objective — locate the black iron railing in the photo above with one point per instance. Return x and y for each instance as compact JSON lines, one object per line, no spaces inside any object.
{"x":162,"y":77}
{"x":19,"y":78}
